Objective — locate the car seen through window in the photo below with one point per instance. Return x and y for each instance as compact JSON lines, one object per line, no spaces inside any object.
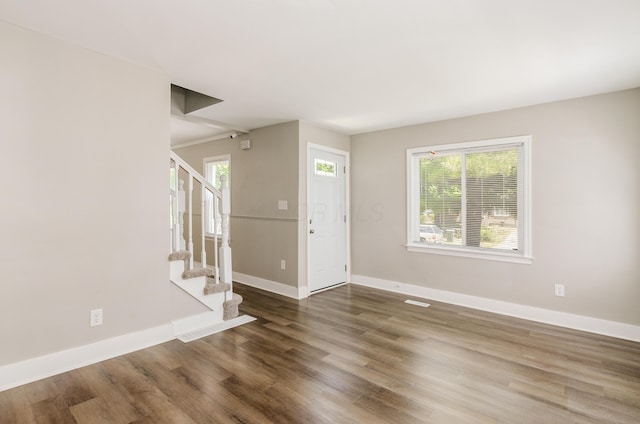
{"x":430,"y":234}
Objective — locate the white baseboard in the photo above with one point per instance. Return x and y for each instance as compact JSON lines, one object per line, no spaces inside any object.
{"x":19,"y":373}
{"x":547,"y":316}
{"x":272,"y":286}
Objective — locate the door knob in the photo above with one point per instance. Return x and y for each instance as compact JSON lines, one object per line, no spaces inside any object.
{"x":312,"y":231}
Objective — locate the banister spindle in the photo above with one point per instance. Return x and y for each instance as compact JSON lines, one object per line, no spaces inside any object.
{"x":203,"y":221}
{"x":181,"y":209}
{"x":214,"y":214}
{"x":225,"y":249}
{"x":190,"y":208}
{"x":176,"y":212}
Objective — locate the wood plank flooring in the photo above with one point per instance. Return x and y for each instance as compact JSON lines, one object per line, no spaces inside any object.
{"x":351,"y":355}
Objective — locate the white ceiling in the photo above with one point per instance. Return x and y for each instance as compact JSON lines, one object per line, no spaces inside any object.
{"x":358,"y":65}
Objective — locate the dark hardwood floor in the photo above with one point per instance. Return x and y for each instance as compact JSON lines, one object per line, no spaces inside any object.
{"x":351,"y":355}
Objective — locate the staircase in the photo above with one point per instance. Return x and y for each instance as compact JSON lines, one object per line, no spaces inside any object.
{"x":207,"y":281}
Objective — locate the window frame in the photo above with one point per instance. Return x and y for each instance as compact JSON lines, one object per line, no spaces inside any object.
{"x":524,"y":253}
{"x":209,"y":201}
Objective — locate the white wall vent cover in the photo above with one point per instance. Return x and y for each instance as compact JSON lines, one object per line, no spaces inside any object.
{"x":415,"y":302}
{"x":216,"y":328}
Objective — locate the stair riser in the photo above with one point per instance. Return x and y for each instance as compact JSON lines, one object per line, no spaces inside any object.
{"x":194,"y":287}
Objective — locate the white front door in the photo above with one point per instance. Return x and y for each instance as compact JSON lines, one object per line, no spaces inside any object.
{"x":327,"y":221}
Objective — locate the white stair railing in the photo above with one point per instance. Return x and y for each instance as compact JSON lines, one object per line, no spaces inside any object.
{"x":182,"y":204}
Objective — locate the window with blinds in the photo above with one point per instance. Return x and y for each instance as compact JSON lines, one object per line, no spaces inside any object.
{"x":471,"y":199}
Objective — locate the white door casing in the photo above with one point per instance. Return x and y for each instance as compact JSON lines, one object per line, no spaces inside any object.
{"x":327,"y":218}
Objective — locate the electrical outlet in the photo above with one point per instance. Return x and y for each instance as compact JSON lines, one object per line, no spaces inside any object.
{"x":560,"y":290}
{"x":283,"y":264}
{"x":96,"y":317}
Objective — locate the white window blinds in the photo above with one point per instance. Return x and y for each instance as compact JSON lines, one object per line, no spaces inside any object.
{"x":470,"y":197}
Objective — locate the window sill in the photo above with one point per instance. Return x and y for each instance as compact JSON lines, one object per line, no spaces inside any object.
{"x":470,"y":253}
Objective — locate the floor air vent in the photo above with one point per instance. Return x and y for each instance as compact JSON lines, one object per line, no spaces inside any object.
{"x":207,"y":331}
{"x":415,"y":302}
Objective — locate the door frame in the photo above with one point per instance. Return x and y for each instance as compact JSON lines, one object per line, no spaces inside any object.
{"x":347,"y":206}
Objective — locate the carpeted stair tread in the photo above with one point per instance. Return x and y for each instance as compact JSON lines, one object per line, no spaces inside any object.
{"x":231,"y":307}
{"x":236,"y":300}
{"x":179,"y":255}
{"x":196,"y":272}
{"x":212,"y":287}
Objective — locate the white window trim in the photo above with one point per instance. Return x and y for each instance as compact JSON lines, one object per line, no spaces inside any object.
{"x":205,"y":168}
{"x":413,"y":200}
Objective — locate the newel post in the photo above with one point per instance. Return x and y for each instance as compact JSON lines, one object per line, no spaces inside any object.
{"x":225,"y":249}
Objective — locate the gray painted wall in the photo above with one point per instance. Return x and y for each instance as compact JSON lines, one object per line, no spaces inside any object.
{"x":585,"y":207}
{"x":273,"y":169}
{"x":261,"y":234}
{"x":84,"y":138}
